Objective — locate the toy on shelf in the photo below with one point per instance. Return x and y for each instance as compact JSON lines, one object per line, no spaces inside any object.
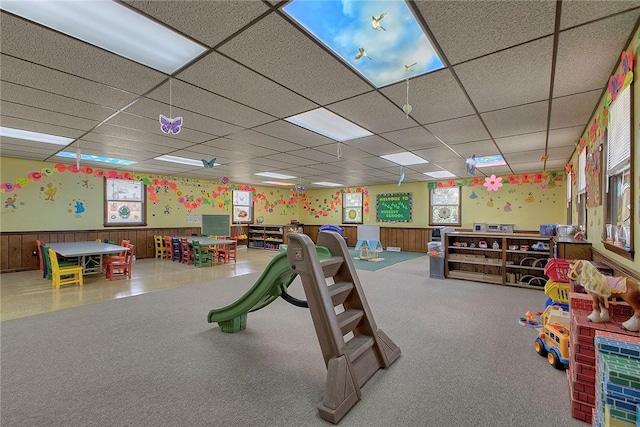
{"x":602,"y":287}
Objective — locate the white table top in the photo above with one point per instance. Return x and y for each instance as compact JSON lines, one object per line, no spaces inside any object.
{"x":72,"y":249}
{"x":207,"y":240}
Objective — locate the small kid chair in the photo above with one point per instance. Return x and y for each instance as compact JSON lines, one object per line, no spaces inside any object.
{"x":121,"y":268}
{"x":167,"y":247}
{"x":64,"y":275}
{"x":228,"y":251}
{"x":201,"y":258}
{"x":187,"y":253}
{"x":159,"y":244}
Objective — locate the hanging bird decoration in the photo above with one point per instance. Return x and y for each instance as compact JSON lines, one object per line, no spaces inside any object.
{"x":471,"y":164}
{"x":375,"y":22}
{"x":300,"y":188}
{"x":224,"y":180}
{"x":361,"y":53}
{"x":401,"y":179}
{"x":409,"y":67}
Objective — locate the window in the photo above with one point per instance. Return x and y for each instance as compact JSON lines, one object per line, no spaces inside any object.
{"x":352,"y":208}
{"x":444,"y":206}
{"x":242,"y":207}
{"x":124,"y":203}
{"x":569,"y":204}
{"x":618,"y":231}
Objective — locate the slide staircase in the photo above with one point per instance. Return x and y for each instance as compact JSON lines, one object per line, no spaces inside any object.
{"x":352,"y":346}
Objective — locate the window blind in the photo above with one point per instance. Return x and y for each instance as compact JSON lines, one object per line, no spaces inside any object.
{"x":582,"y":178}
{"x":619,"y":133}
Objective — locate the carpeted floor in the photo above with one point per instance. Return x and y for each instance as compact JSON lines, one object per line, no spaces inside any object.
{"x":153,"y":360}
{"x":388,"y":258}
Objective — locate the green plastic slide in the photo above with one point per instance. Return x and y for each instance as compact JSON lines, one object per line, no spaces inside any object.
{"x":274,"y":280}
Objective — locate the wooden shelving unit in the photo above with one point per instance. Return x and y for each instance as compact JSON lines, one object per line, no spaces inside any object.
{"x":265,"y":236}
{"x":290,"y":228}
{"x":510,"y":264}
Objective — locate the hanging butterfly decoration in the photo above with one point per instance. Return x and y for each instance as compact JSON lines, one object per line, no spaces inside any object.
{"x":471,"y":164}
{"x":168,"y":125}
{"x":300,"y":189}
{"x":209,"y":165}
{"x":225,"y":180}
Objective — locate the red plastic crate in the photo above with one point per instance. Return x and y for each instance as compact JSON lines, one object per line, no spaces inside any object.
{"x":557,"y":269}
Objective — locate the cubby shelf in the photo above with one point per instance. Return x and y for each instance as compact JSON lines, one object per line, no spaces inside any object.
{"x":501,"y":266}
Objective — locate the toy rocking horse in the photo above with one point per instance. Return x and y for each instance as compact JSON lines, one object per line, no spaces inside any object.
{"x":602,"y":287}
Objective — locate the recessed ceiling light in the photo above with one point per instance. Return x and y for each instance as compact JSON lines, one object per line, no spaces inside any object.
{"x":327,"y":184}
{"x":34,"y":136}
{"x":101,"y":159}
{"x":113,"y":27}
{"x":404,"y":159}
{"x":284,"y":184}
{"x":182,"y":160}
{"x":486,"y":161}
{"x":275,"y":175}
{"x":380,"y":39}
{"x":440,"y":174}
{"x":328,"y":124}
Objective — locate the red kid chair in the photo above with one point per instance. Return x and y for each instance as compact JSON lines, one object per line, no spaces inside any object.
{"x":168,"y":251}
{"x":187,"y":253}
{"x":121,"y":268}
{"x":117,"y":257}
{"x":228,"y":251}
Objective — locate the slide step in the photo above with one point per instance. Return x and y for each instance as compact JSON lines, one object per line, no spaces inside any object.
{"x":330,"y":266}
{"x":339,"y":292}
{"x":349,"y":319}
{"x":357,"y":345}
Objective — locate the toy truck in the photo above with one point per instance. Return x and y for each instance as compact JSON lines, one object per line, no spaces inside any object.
{"x":553,"y":342}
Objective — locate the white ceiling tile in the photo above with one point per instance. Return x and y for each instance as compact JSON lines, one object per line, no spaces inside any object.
{"x":241,"y":148}
{"x":40,"y":45}
{"x":315,"y":155}
{"x":469,"y":29}
{"x":239,"y":83}
{"x":36,"y":76}
{"x":209,"y":22}
{"x":517,"y":120}
{"x":152,"y":126}
{"x":460,"y":130}
{"x":373,"y":112}
{"x":141,"y":137}
{"x":565,"y":136}
{"x":520,"y":75}
{"x":284,"y":54}
{"x":576,"y":12}
{"x":573,"y":110}
{"x":479,"y":148}
{"x":587,"y":54}
{"x":263,"y":140}
{"x":33,"y":126}
{"x":414,"y":138}
{"x":434,"y":97}
{"x":292,"y":133}
{"x":10,"y":109}
{"x":375,"y":145}
{"x":347,"y":152}
{"x":524,"y":142}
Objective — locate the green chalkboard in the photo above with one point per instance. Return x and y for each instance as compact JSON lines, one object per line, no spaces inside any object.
{"x":394,"y":207}
{"x":216,"y":225}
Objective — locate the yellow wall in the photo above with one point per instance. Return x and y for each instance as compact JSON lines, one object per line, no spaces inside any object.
{"x":595,"y":215}
{"x":48,"y":196}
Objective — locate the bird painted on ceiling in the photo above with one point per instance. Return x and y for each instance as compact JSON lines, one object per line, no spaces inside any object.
{"x":409,"y":67}
{"x":361,"y":53}
{"x":375,"y":22}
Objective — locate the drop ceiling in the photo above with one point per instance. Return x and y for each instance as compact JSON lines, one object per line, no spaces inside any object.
{"x":521,"y":79}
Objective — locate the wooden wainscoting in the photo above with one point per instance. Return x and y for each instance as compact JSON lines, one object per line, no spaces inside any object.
{"x":17,"y":248}
{"x":407,"y":239}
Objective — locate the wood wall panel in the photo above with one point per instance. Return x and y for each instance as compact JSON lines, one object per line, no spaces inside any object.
{"x":408,"y":239}
{"x":16,"y":248}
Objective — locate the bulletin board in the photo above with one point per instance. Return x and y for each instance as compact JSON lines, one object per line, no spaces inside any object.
{"x":394,"y":207}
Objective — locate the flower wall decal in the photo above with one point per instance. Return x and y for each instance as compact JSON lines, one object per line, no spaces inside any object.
{"x":493,"y":183}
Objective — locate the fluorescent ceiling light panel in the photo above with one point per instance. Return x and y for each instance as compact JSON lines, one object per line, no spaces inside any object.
{"x":440,"y":174}
{"x":34,"y":136}
{"x":100,"y":159}
{"x":327,"y":184}
{"x":284,"y":184}
{"x":404,"y":159}
{"x":182,"y":160}
{"x":380,"y":39}
{"x":275,"y":175}
{"x":487,"y":161}
{"x":329,"y":124}
{"x":113,"y":27}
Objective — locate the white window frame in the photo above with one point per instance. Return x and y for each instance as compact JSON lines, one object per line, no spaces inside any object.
{"x":242,"y":206}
